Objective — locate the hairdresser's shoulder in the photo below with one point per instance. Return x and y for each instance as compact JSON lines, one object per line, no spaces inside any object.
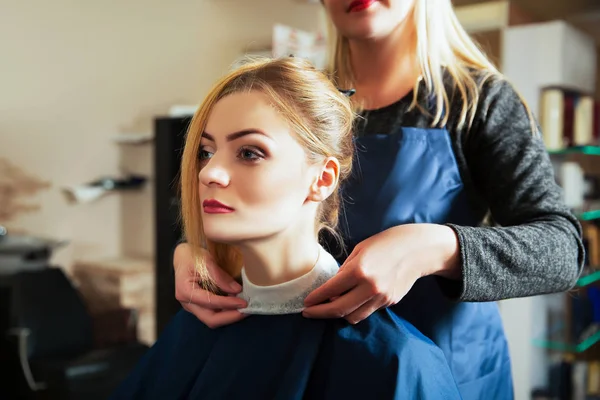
{"x":500,"y":100}
{"x":493,"y":89}
{"x":496,"y":89}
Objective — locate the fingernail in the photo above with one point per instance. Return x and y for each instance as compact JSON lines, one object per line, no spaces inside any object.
{"x":235,"y":286}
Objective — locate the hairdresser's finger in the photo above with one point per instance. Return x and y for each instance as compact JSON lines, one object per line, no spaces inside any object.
{"x":188,"y":291}
{"x":206,"y":299}
{"x":222,"y":318}
{"x":186,"y":274}
{"x":215,"y":319}
{"x":348,"y":260}
{"x":201,"y":313}
{"x":222,"y":279}
{"x":342,"y":282}
{"x":342,"y":306}
{"x":364,"y":311}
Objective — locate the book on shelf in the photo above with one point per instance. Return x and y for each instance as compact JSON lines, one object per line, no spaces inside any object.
{"x":569,"y":118}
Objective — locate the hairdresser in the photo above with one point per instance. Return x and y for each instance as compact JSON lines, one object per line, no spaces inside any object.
{"x":444,"y":144}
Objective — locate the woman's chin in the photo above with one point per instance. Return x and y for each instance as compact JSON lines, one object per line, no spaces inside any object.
{"x":221,"y":237}
{"x":225,"y":236}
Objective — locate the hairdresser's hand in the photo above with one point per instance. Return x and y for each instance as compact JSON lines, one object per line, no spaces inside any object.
{"x":213,"y":310}
{"x":383,"y":268}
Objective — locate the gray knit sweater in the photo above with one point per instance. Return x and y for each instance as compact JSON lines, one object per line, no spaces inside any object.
{"x":535,"y":245}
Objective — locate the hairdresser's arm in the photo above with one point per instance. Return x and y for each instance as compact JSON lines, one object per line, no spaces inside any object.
{"x":536,"y":247}
{"x":211,"y":309}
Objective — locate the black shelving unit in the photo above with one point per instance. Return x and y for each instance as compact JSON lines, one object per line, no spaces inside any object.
{"x":169,"y":143}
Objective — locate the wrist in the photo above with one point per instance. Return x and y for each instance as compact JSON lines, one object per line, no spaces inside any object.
{"x":451,"y":267}
{"x":448,"y":249}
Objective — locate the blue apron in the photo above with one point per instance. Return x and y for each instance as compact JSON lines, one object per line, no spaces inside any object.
{"x":411,"y":176}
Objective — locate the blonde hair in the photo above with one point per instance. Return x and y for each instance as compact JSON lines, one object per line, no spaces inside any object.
{"x":319,"y":115}
{"x":441,"y":44}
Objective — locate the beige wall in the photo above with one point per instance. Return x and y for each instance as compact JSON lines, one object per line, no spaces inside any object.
{"x":76,"y":73}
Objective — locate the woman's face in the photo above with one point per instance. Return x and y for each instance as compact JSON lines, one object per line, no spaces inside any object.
{"x":367,"y":19}
{"x":255,"y":177}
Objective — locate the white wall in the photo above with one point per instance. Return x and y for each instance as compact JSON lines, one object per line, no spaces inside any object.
{"x":535,"y":56}
{"x":75,"y":73}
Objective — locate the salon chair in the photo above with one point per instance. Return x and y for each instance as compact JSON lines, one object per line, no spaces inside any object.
{"x":50,"y":344}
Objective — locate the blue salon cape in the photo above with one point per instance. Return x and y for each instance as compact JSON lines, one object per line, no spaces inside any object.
{"x":410,"y":175}
{"x":289,"y":357}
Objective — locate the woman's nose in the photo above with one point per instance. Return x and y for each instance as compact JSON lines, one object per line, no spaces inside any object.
{"x":214,"y":174}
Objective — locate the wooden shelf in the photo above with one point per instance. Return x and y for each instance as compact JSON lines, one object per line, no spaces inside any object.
{"x":122,"y":282}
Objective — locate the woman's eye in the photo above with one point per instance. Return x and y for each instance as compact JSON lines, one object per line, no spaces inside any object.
{"x":204,"y":154}
{"x":250,"y":154}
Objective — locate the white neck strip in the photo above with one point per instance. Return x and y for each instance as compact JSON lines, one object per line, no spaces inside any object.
{"x":287,"y":297}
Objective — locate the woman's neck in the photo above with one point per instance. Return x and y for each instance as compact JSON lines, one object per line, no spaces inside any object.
{"x":386,"y":69}
{"x":279,"y":259}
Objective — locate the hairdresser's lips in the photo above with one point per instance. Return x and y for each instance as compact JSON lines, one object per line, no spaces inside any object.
{"x":360,"y":5}
{"x":212,"y":206}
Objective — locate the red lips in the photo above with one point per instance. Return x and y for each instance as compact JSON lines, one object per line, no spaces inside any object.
{"x":213,"y":206}
{"x":360,"y":5}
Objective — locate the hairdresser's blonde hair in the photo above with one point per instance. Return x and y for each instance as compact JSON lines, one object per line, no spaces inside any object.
{"x":441,"y":44}
{"x":319,"y":115}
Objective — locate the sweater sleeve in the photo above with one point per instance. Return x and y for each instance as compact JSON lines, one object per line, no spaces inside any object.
{"x":535,"y":246}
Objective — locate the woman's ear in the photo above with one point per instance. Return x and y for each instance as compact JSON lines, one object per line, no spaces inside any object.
{"x":327,"y":180}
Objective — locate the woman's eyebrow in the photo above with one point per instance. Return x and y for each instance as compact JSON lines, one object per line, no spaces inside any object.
{"x":236,"y":135}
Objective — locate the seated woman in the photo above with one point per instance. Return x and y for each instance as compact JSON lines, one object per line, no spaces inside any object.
{"x":263,"y":160}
